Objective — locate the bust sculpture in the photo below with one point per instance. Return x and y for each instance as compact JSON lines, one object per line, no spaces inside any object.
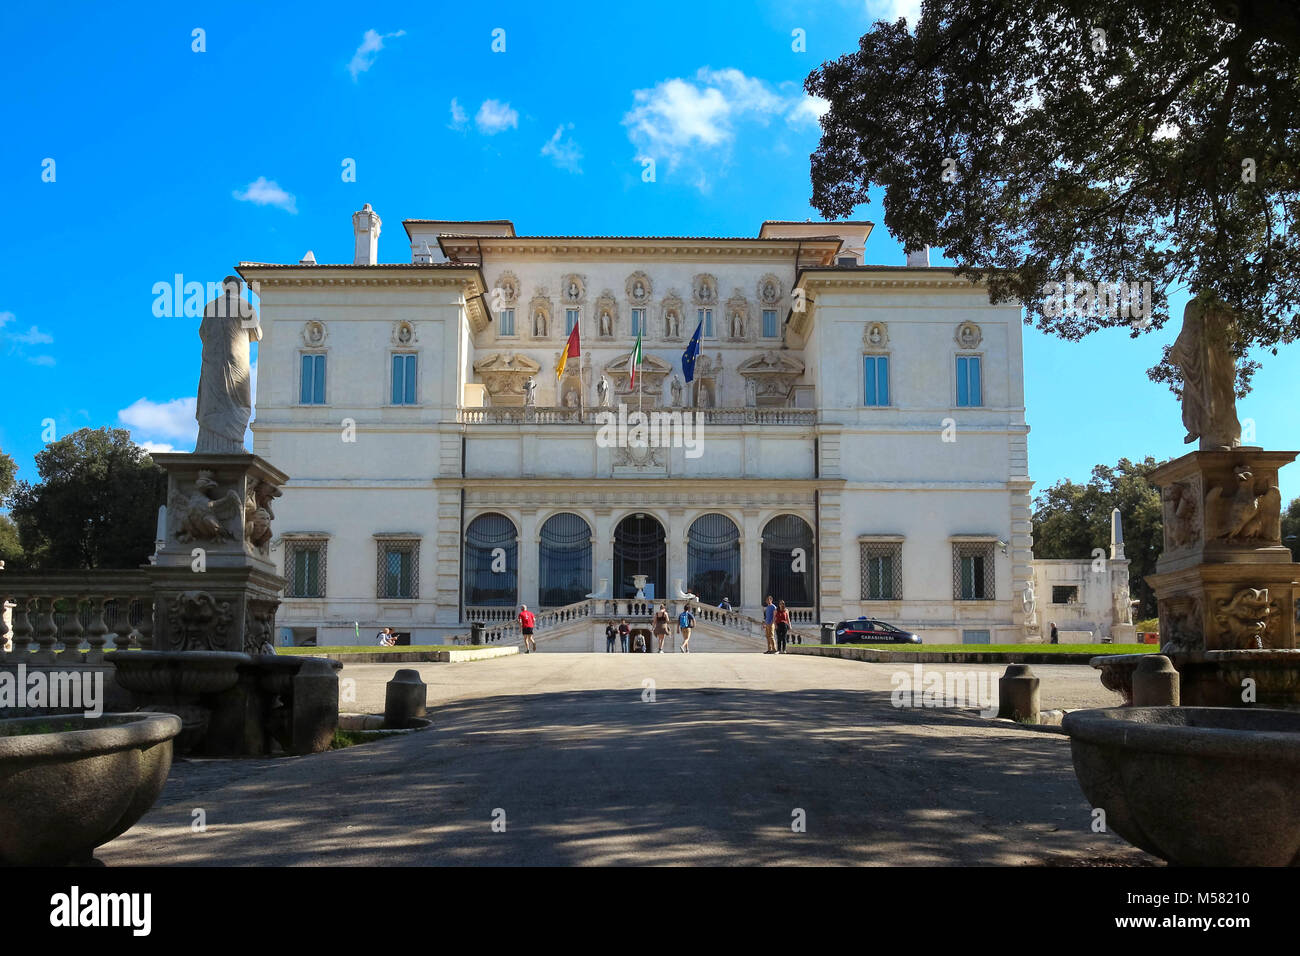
{"x":225,"y":401}
{"x":1204,"y":355}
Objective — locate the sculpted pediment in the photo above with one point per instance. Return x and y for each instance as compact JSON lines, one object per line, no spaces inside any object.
{"x":504,"y":374}
{"x":771,"y":362}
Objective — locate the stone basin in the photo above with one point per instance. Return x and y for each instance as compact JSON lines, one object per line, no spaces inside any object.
{"x":276,"y":673}
{"x":84,"y":783}
{"x":1217,"y":678}
{"x":177,"y":674}
{"x":1196,"y":786}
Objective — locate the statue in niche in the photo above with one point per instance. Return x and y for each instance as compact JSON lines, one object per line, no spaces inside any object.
{"x":539,"y":323}
{"x":674,"y":322}
{"x":530,"y":392}
{"x":602,"y":391}
{"x":225,"y":400}
{"x":676,"y":389}
{"x":573,"y":290}
{"x":638,"y":290}
{"x":737,"y":325}
{"x":606,"y":323}
{"x":1204,"y":355}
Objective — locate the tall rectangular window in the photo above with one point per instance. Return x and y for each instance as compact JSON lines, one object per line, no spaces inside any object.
{"x":705,"y":316}
{"x":305,"y":569}
{"x":972,"y":572}
{"x":570,"y":320}
{"x":970,"y":390}
{"x":507,"y":326}
{"x":875,"y":373}
{"x":403,"y":379}
{"x":769,"y":323}
{"x":882,"y":570}
{"x":312,"y":384}
{"x":399,"y":569}
{"x":638,"y":322}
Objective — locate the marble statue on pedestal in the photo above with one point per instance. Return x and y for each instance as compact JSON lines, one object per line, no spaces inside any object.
{"x":225,"y":401}
{"x":1204,"y":356}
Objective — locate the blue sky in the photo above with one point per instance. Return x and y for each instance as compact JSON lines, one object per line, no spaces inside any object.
{"x":170,"y":161}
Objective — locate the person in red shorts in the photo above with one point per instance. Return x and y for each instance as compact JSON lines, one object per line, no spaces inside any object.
{"x":527,"y":623}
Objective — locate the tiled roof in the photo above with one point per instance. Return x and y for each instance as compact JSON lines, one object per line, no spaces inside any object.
{"x":452,"y":235}
{"x":350,"y":265}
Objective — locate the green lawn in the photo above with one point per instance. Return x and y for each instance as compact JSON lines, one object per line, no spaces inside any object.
{"x":369,"y":649}
{"x":1015,"y":648}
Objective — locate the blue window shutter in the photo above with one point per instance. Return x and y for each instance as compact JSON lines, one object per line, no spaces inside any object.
{"x":963,"y":392}
{"x":319,"y":380}
{"x":397,"y":380}
{"x":409,"y":394}
{"x":304,"y":388}
{"x":882,"y":380}
{"x":976,"y":387}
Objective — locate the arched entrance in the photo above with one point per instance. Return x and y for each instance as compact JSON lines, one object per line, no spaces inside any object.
{"x":640,"y":547}
{"x":789,"y":568}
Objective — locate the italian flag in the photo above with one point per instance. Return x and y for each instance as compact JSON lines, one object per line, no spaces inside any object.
{"x":572,"y":350}
{"x":634,"y":363}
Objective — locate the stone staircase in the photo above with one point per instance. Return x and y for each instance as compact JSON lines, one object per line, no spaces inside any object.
{"x":580,"y":626}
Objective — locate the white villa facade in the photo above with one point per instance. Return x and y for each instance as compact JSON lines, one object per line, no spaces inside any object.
{"x":863,"y":443}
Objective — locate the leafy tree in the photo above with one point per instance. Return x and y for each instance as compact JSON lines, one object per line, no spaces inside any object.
{"x":96,"y":505}
{"x":1070,"y":520}
{"x":11,"y":550}
{"x":1156,"y":140}
{"x":1291,"y":528}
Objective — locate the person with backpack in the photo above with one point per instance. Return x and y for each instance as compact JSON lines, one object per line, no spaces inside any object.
{"x":527,"y":623}
{"x":685,"y":621}
{"x":611,"y":632}
{"x":782,"y":620}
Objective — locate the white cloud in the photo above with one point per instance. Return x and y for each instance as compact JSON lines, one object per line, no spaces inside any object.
{"x":458,"y":117}
{"x":158,"y":446}
{"x":891,"y":10}
{"x":564,"y":152}
{"x":495,"y":116}
{"x":371,"y":43}
{"x":18,"y":341}
{"x":267,"y":192}
{"x":679,"y":116}
{"x":174,"y":419}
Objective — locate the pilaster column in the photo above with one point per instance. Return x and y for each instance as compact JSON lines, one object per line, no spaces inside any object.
{"x":751,"y":567}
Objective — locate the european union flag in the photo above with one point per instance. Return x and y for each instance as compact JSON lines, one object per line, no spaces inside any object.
{"x":692,"y":353}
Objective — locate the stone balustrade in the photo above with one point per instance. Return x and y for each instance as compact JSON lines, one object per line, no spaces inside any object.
{"x":539,"y":415}
{"x":70,"y":609}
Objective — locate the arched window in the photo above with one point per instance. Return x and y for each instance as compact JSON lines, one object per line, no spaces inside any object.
{"x":713,"y":559}
{"x":789,"y":572}
{"x":491,"y":562}
{"x":564,"y":560}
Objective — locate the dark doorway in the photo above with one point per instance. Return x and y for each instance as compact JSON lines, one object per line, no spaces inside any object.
{"x":640,"y":548}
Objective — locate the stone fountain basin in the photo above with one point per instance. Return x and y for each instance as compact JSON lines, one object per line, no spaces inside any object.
{"x":1196,"y":786}
{"x":176,"y":674}
{"x":276,"y":673}
{"x":86,"y":782}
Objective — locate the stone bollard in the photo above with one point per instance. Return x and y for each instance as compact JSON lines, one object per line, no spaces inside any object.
{"x":405,"y":698}
{"x":1155,"y":682}
{"x":1018,"y":694}
{"x":315,"y":713}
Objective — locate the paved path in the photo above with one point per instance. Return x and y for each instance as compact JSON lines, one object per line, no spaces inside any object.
{"x":588,"y":772}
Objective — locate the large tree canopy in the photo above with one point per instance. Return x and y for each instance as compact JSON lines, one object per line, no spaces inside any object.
{"x":1070,"y":520}
{"x":96,"y":505}
{"x":10,"y":546}
{"x":1031,"y":140}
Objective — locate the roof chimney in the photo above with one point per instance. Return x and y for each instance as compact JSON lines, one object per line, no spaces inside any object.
{"x":425,"y":255}
{"x":919,"y":258}
{"x":365,"y":224}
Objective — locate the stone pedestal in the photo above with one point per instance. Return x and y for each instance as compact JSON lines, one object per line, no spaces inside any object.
{"x":1225,"y":580}
{"x":215,"y":585}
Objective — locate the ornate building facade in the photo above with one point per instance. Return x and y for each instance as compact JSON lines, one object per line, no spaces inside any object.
{"x":860,"y":447}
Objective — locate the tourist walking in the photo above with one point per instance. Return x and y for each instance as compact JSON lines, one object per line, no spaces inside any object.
{"x":686,"y":621}
{"x":527,"y":623}
{"x":624,"y":632}
{"x":726,"y":604}
{"x":769,"y":625}
{"x":782,"y":620}
{"x":611,"y":632}
{"x":660,"y":625}
{"x":1055,"y":635}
